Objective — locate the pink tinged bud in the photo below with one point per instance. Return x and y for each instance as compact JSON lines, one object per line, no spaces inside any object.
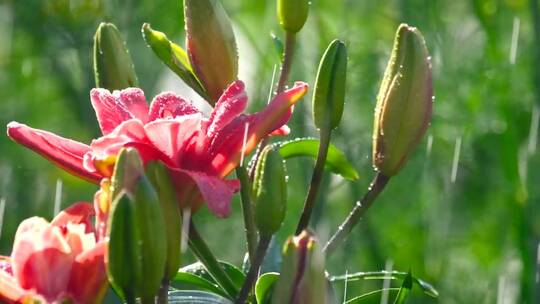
{"x":302,"y":279}
{"x":404,"y":103}
{"x":211,"y":45}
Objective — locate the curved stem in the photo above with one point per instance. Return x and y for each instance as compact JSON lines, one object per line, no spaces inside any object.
{"x":316,"y":179}
{"x":247,"y":210}
{"x":376,"y":187}
{"x":207,"y":258}
{"x":253,"y":270}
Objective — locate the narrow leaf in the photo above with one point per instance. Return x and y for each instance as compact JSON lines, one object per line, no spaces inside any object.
{"x":196,"y":297}
{"x":186,"y":280}
{"x":405,"y":289}
{"x":198,"y":269}
{"x":335,"y":160}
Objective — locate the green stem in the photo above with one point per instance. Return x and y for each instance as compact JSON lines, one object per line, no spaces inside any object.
{"x":376,"y":187}
{"x":253,"y":270}
{"x":288,"y":53}
{"x":247,"y":210}
{"x":316,"y":179}
{"x":203,"y":253}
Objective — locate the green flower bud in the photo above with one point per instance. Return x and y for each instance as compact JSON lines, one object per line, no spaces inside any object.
{"x":211,"y":45}
{"x":302,"y":279}
{"x":158,"y":175}
{"x":404,"y":103}
{"x":113,"y":68}
{"x":292,"y":14}
{"x":329,"y":95}
{"x":137,"y":235}
{"x":270,"y":191}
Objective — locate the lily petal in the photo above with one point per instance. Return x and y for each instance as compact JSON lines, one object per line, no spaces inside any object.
{"x":78,"y":213}
{"x":216,"y":192}
{"x":170,"y":105}
{"x":232,"y":103}
{"x":228,"y":145}
{"x":113,"y":109}
{"x":10,"y":291}
{"x":63,"y":152}
{"x":88,"y":281}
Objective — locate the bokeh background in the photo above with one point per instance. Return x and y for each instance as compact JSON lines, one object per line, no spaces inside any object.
{"x":463,"y":214}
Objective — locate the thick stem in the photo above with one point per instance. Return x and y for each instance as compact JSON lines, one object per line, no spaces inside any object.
{"x":253,"y":270}
{"x":203,"y":253}
{"x":163,"y":294}
{"x":247,"y":210}
{"x":376,"y":187}
{"x":316,"y":179}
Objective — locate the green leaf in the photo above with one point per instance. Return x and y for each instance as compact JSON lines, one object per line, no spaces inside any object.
{"x":186,"y":280}
{"x":263,"y":287}
{"x":335,"y":160}
{"x":196,"y":297}
{"x":173,"y":56}
{"x":113,"y":67}
{"x":405,"y":289}
{"x":361,"y":299}
{"x":382,"y":275}
{"x":198,"y":269}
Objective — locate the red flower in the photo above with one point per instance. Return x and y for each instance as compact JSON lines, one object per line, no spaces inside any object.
{"x":200,"y":152}
{"x":57,"y":261}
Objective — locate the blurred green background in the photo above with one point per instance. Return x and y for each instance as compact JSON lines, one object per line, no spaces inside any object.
{"x":464,"y":213}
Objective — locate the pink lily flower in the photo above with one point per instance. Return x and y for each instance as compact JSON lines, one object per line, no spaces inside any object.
{"x":57,"y":261}
{"x":199,"y":152}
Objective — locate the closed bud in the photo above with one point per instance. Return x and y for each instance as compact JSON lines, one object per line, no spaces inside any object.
{"x":404,"y":102}
{"x":270,"y":191}
{"x":302,"y":279}
{"x":292,"y":14}
{"x":211,"y":45}
{"x":113,"y":68}
{"x":137,"y":234}
{"x":158,"y":175}
{"x":329,"y":96}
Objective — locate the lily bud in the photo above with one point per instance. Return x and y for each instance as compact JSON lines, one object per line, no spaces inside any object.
{"x":137,"y":235}
{"x":158,"y":175}
{"x":404,"y":102}
{"x":113,"y":68}
{"x":302,"y":279}
{"x":329,"y":95}
{"x":211,"y":45}
{"x":292,"y":14}
{"x":270,"y":191}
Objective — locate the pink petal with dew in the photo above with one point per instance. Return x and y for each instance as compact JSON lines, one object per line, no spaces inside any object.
{"x":169,"y":105}
{"x":10,"y":291}
{"x":113,"y":109}
{"x":232,"y":103}
{"x":194,"y":188}
{"x":65,"y":153}
{"x":229,"y":144}
{"x":88,"y":280}
{"x":41,"y":258}
{"x":78,"y":213}
{"x":175,"y":137}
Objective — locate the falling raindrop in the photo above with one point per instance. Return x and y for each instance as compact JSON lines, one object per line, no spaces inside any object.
{"x":57,"y":197}
{"x":515,"y":40}
{"x":455,"y":162}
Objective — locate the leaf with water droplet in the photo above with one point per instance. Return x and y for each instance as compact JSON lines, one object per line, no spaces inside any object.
{"x":336,"y":161}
